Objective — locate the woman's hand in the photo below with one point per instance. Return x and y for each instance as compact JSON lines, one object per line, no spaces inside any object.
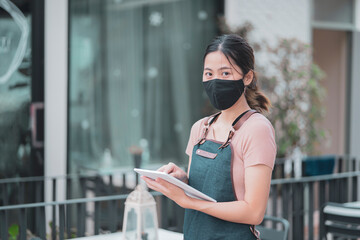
{"x":174,"y":171}
{"x":169,"y":190}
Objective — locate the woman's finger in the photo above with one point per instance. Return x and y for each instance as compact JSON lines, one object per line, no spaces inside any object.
{"x":166,"y":168}
{"x":156,"y":185}
{"x":150,"y":184}
{"x":170,"y":167}
{"x":161,"y":169}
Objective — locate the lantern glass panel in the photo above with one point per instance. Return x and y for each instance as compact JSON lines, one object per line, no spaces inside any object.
{"x":130,"y":232}
{"x":148,"y":219}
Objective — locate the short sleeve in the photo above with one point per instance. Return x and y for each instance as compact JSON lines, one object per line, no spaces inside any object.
{"x":194,"y":136}
{"x":259,"y":145}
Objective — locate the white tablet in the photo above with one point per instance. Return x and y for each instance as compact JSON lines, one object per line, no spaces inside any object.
{"x":190,"y":191}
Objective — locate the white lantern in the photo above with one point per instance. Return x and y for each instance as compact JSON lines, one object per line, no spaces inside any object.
{"x":140,"y":217}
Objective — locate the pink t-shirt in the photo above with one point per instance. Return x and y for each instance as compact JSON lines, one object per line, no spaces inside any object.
{"x":254,"y":143}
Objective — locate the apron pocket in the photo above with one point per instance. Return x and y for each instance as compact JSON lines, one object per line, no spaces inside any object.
{"x":206,"y":154}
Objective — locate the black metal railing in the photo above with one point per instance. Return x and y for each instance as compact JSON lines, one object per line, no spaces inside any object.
{"x":296,"y":199}
{"x":299,"y":200}
{"x":341,"y":163}
{"x":61,"y":222}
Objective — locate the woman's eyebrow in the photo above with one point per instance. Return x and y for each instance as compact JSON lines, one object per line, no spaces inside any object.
{"x":222,"y":68}
{"x":225,"y":67}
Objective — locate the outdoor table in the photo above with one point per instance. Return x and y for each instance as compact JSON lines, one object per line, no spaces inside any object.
{"x":163,"y":235}
{"x":352,"y":204}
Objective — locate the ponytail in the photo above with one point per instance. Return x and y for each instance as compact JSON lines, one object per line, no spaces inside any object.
{"x":256,"y":98}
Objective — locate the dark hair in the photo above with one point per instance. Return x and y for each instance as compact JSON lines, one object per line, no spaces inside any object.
{"x":239,"y":51}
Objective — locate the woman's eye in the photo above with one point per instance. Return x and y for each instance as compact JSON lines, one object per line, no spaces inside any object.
{"x":208,"y":74}
{"x":225,"y":74}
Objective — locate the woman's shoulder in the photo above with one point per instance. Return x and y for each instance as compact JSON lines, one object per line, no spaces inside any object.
{"x":201,"y":122}
{"x":258,"y":120}
{"x":198,"y":124}
{"x":258,"y":124}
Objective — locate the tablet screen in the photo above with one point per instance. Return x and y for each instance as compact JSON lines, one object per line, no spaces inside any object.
{"x":190,"y":191}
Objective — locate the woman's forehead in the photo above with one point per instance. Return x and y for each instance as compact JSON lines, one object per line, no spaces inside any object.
{"x":217,"y":60}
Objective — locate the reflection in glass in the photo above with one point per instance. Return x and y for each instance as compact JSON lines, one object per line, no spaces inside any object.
{"x":15,"y":91}
{"x":8,"y":41}
{"x":135,"y":78}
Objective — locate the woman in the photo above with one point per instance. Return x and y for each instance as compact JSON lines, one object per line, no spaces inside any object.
{"x":231,"y":153}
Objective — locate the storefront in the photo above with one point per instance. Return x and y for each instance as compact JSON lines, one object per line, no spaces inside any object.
{"x":96,"y":79}
{"x":88,"y":84}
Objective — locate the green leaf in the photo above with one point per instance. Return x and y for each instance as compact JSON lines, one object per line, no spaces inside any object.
{"x":13,"y":231}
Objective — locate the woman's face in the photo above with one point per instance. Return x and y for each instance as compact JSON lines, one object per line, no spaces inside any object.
{"x":217,"y":66}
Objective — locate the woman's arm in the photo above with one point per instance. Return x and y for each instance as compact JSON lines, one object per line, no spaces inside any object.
{"x":251,"y":210}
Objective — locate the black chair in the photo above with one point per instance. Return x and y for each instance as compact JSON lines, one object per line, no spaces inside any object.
{"x":340,"y":221}
{"x":272,"y":233}
{"x":318,"y":165}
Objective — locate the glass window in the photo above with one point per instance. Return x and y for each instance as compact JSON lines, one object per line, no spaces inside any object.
{"x":15,"y":90}
{"x":135,"y":73}
{"x":334,"y":11}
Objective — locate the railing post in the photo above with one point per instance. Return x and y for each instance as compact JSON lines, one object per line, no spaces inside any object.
{"x":3,"y":225}
{"x":82,"y":186}
{"x":164,"y":206}
{"x":68,"y":208}
{"x":298,"y":206}
{"x":62,"y":222}
{"x":322,"y":227}
{"x":274,"y":202}
{"x":123,"y":182}
{"x":37,"y":199}
{"x":53,"y":225}
{"x":332,"y":191}
{"x":322,"y":186}
{"x":23,"y":224}
{"x":97,"y":218}
{"x":311,"y":211}
{"x":111,"y":185}
{"x":113,"y":212}
{"x":97,"y":185}
{"x":285,"y":200}
{"x":344,"y":189}
{"x":5,"y":194}
{"x":21,"y":193}
{"x":354,"y":188}
{"x":80,"y":220}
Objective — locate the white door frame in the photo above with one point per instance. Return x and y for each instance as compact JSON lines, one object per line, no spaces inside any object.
{"x":56,"y":90}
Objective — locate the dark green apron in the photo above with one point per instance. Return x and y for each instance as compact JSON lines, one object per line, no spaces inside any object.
{"x":211,"y":173}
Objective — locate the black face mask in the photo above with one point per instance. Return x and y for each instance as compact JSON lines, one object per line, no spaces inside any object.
{"x":224,"y":93}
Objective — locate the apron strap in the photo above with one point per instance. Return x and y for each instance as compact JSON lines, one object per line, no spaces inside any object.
{"x":207,"y":122}
{"x":242,"y":118}
{"x":239,"y":121}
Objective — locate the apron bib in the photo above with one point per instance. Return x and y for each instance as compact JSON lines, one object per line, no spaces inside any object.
{"x":211,"y":173}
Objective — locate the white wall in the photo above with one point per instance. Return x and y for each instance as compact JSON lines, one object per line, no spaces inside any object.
{"x":272,"y":19}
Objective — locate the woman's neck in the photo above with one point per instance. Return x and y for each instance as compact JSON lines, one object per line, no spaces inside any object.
{"x":229,"y":115}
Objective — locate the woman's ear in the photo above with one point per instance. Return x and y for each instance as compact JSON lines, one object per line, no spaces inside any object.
{"x":248,"y":77}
